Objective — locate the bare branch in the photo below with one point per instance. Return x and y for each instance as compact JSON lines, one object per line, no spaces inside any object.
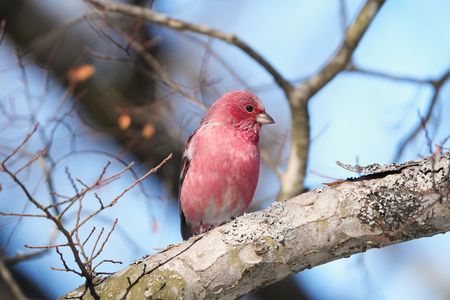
{"x":293,"y":178}
{"x":110,"y":261}
{"x":18,"y":148}
{"x":117,"y":198}
{"x":13,"y":214}
{"x":35,"y":157}
{"x":374,"y":73}
{"x":84,"y":267}
{"x":437,"y":85}
{"x":66,"y":267}
{"x":95,"y":255}
{"x":343,"y":56}
{"x":47,"y":246}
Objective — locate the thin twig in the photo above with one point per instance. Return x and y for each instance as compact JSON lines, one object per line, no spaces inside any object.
{"x":25,"y":140}
{"x":437,"y":85}
{"x":102,"y":246}
{"x":47,"y":246}
{"x":13,"y":214}
{"x":71,"y":244}
{"x":117,"y":198}
{"x":380,"y":74}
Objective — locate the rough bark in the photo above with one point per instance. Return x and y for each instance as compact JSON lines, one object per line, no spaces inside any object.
{"x":388,"y":205}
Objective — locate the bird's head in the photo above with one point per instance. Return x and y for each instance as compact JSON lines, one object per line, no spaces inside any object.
{"x":241,"y":109}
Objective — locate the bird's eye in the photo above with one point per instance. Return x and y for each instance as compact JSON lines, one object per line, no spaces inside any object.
{"x":249,"y":108}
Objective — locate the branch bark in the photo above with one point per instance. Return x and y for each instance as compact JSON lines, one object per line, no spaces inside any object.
{"x":390,"y":204}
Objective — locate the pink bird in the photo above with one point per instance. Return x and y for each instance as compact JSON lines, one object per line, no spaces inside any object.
{"x":220,"y":165}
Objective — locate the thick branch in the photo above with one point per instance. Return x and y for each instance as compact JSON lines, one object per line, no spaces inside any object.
{"x":390,"y":205}
{"x":293,"y":178}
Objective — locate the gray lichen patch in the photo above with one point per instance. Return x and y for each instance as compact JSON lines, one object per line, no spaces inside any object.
{"x":393,"y":208}
{"x":392,"y":201}
{"x":257,"y":227}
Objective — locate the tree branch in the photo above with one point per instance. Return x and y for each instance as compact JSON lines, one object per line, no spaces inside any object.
{"x":437,"y":86}
{"x":390,"y":204}
{"x":342,"y":57}
{"x":293,"y":179}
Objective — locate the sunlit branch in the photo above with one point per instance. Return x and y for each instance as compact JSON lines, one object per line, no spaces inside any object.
{"x":292,"y":182}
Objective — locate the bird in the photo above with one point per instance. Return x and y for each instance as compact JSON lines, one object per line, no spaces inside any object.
{"x":220,"y":163}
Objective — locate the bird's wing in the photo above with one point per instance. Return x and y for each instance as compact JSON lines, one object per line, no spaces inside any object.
{"x":185,"y":228}
{"x":186,"y":160}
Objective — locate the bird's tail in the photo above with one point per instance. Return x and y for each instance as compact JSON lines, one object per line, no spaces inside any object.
{"x":185,"y":228}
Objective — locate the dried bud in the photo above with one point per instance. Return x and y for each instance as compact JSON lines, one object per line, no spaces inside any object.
{"x":124,"y":121}
{"x":80,"y":73}
{"x":148,"y":131}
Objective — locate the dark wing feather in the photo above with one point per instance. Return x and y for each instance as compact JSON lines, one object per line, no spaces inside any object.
{"x":185,"y":228}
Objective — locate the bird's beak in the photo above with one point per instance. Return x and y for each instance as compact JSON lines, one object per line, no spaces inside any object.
{"x":264,"y":118}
